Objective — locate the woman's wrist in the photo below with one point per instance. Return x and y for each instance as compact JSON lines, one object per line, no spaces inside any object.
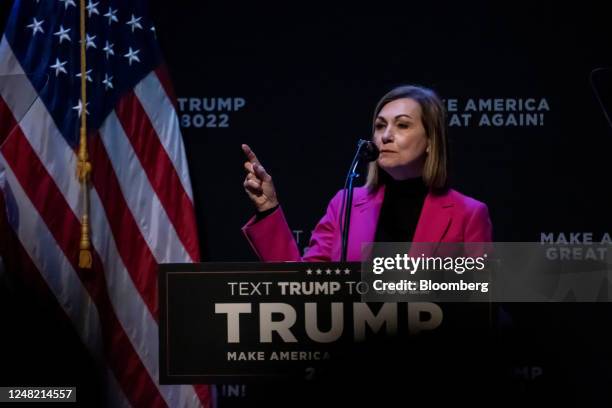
{"x":261,"y":214}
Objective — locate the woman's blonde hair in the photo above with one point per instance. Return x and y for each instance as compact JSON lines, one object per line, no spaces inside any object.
{"x":433,"y":116}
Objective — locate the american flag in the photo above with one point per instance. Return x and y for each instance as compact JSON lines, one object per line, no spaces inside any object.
{"x":141,"y":203}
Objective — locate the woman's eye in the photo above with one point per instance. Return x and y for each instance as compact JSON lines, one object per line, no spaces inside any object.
{"x":403,"y":125}
{"x":379,"y":126}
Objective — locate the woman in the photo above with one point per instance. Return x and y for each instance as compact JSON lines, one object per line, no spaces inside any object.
{"x":406,"y":196}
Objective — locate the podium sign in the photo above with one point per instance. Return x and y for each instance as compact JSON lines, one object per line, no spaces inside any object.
{"x":239,"y":322}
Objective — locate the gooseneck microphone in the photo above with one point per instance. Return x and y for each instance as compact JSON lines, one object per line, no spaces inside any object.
{"x":366,"y":152}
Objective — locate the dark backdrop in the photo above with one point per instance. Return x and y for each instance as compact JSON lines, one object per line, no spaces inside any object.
{"x":310,"y":75}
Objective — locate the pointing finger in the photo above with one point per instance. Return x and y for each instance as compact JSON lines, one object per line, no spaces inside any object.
{"x":260,"y":172}
{"x":249,"y":154}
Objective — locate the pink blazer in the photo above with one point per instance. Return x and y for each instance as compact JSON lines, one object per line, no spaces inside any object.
{"x":449,"y":217}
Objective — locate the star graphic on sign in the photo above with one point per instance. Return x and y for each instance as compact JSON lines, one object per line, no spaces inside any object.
{"x":107,"y":82}
{"x":318,"y":271}
{"x":92,"y":9}
{"x":134,"y":23}
{"x":347,"y":271}
{"x":132,"y":55}
{"x":89,"y":41}
{"x":63,"y":34}
{"x":108,"y":49}
{"x":308,"y":271}
{"x":79,"y":108}
{"x":36,"y":26}
{"x":111,"y":15}
{"x":328,"y":271}
{"x":59,"y":67}
{"x":338,"y":271}
{"x":87,"y":77}
{"x":67,"y":3}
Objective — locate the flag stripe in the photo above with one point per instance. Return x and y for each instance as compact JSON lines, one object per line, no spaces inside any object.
{"x":131,"y":310}
{"x":165,"y":121}
{"x":59,"y":159}
{"x":65,"y":229}
{"x":164,"y":79}
{"x":114,"y":394}
{"x":152,"y":219}
{"x":159,"y":170}
{"x":17,"y":91}
{"x":130,"y":307}
{"x":131,"y":246}
{"x":7,"y":121}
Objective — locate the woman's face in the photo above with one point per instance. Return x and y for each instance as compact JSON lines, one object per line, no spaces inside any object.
{"x":400,"y":136}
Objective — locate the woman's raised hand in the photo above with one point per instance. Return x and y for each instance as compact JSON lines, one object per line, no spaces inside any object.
{"x":258,"y":183}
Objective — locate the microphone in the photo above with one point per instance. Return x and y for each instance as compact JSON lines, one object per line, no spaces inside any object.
{"x":368,"y":150}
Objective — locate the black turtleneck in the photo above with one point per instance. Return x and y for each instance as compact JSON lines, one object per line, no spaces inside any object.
{"x":401,"y":208}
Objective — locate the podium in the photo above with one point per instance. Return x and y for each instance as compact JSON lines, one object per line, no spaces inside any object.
{"x":228,"y":323}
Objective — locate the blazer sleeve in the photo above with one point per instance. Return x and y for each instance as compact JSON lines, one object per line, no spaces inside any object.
{"x":478,"y":233}
{"x":327,"y":234}
{"x":478,"y":227}
{"x":272,"y":240}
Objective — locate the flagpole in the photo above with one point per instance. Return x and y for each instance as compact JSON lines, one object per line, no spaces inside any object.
{"x":83,"y":169}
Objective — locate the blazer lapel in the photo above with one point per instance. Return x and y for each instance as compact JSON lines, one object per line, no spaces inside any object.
{"x":368,"y":209}
{"x":435,"y":218}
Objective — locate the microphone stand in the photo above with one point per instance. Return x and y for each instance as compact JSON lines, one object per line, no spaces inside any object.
{"x":347,"y":198}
